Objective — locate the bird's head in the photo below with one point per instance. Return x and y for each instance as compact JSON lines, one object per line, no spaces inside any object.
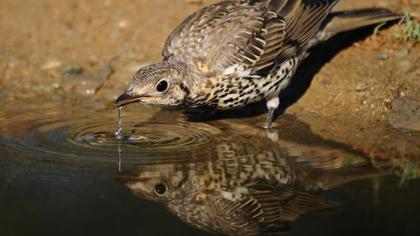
{"x":156,"y":182}
{"x":163,"y":84}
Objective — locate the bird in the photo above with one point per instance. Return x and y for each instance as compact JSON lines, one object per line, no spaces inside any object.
{"x":233,"y":53}
{"x":237,"y":191}
{"x":242,"y":186}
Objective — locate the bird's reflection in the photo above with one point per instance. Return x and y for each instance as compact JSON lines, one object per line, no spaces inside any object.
{"x":246,"y":185}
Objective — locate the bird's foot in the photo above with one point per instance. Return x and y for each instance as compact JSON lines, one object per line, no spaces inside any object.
{"x":269,"y":121}
{"x":272,"y":105}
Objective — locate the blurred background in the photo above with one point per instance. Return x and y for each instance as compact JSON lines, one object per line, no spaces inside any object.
{"x":63,"y":60}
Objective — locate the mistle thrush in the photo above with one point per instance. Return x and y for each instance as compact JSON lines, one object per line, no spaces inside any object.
{"x":233,"y":53}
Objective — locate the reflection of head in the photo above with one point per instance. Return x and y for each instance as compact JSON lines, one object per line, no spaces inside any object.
{"x":155,"y":182}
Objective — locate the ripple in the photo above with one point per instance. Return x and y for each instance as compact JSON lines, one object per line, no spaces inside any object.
{"x":145,"y":136}
{"x":91,"y":137}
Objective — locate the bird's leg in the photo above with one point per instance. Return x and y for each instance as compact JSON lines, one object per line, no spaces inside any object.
{"x":272,"y":104}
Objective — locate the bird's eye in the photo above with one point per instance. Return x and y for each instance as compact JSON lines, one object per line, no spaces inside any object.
{"x":162,"y":86}
{"x":160,"y":189}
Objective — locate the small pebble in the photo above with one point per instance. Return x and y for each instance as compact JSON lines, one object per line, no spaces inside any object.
{"x":382,"y":56}
{"x":73,"y":71}
{"x":51,"y":65}
{"x":405,"y":114}
{"x":360,"y":87}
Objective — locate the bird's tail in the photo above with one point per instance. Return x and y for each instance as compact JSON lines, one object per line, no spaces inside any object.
{"x":342,"y":21}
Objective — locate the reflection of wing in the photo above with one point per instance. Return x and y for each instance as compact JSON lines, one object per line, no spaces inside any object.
{"x":264,"y":208}
{"x":248,"y":34}
{"x":237,"y":217}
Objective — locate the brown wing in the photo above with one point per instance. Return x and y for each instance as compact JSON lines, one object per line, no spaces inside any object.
{"x":247,"y":33}
{"x":265,"y":207}
{"x":304,"y":19}
{"x":239,"y":217}
{"x":285,"y":204}
{"x":224,"y":34}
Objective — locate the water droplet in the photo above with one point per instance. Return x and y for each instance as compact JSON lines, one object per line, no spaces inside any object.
{"x":118,"y":133}
{"x":119,"y":160}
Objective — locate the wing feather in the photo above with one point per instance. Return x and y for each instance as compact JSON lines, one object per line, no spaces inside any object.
{"x":304,"y":19}
{"x":251,"y":34}
{"x":265,"y":206}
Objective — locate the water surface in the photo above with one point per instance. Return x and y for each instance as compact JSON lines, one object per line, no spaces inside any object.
{"x":63,"y":171}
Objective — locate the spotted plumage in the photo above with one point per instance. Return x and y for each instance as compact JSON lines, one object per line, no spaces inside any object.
{"x":238,"y":190}
{"x":237,"y":52}
{"x":243,"y":186}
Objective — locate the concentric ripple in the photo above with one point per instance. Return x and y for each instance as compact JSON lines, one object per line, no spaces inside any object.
{"x":148,"y":137}
{"x":91,"y":137}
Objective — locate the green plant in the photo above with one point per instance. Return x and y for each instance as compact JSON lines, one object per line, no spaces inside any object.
{"x":378,"y":27}
{"x":410,"y":30}
{"x":409,"y":172}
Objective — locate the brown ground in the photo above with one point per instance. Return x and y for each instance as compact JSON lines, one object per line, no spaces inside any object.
{"x":367,"y":95}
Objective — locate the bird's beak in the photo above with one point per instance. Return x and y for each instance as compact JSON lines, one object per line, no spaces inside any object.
{"x":126,"y":99}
